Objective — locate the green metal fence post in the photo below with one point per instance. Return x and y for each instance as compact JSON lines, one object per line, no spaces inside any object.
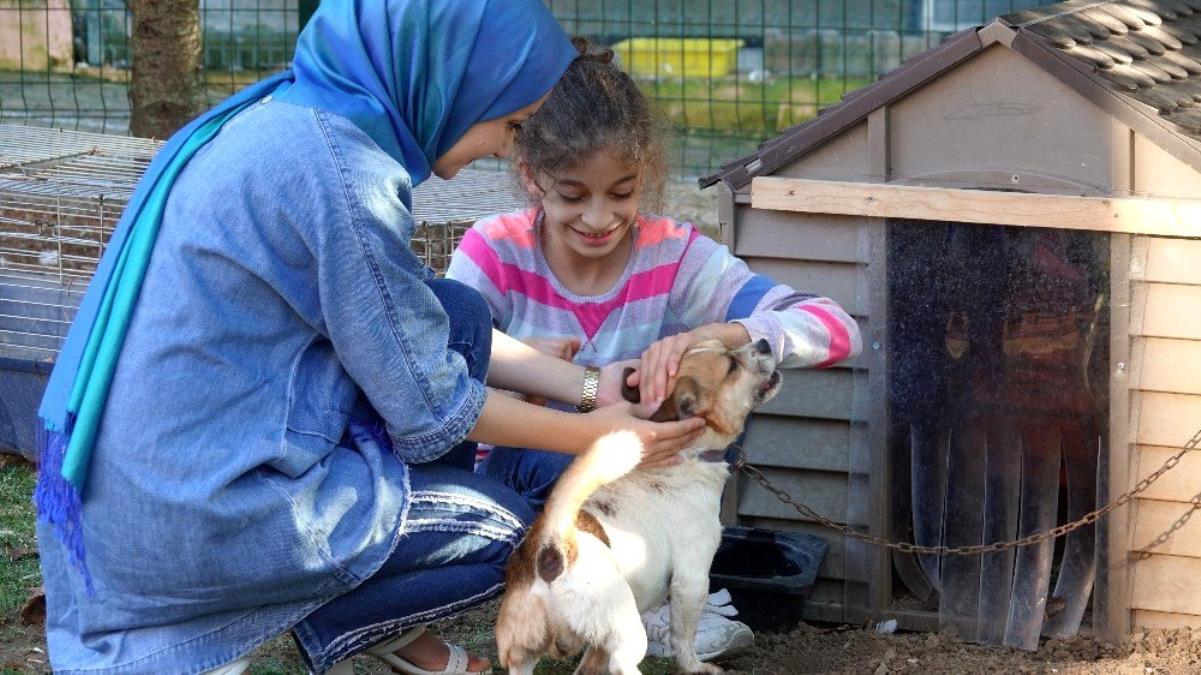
{"x":809,"y":53}
{"x":305,"y":9}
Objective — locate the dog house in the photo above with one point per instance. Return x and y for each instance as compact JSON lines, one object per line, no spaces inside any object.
{"x":1014,"y":219}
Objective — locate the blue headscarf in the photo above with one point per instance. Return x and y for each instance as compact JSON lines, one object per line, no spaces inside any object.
{"x":414,"y":75}
{"x":439,"y":68}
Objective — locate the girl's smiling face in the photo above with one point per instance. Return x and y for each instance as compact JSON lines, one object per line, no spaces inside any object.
{"x":590,"y":208}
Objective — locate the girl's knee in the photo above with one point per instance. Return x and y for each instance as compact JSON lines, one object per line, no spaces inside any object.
{"x":462,"y":302}
{"x":470,"y":323}
{"x":519,"y":507}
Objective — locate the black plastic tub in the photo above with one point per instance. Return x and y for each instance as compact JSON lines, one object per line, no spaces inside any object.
{"x":769,"y":574}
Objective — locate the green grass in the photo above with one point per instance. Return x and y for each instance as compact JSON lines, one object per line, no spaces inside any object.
{"x":19,"y":571}
{"x":715,"y":119}
{"x":742,"y":107}
{"x":17,"y":577}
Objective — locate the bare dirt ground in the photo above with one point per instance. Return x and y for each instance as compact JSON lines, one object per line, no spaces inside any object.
{"x":807,"y":649}
{"x":826,"y":648}
{"x":811,"y":649}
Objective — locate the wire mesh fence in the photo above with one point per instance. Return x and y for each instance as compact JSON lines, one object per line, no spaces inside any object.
{"x":62,"y":192}
{"x":726,"y":74}
{"x":61,"y":195}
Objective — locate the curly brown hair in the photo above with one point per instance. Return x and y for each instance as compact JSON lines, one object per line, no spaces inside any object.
{"x":595,"y":106}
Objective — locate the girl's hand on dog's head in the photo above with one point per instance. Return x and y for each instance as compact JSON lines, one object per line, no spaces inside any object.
{"x":661,"y":441}
{"x":659,"y":364}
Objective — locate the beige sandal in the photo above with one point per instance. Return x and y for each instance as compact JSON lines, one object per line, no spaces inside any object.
{"x":386,"y":652}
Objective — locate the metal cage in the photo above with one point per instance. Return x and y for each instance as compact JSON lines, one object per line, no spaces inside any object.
{"x":61,"y":194}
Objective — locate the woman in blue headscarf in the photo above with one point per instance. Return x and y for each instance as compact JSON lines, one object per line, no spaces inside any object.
{"x":261,"y":418}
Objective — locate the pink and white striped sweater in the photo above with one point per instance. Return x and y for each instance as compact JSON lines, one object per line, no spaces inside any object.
{"x":676,"y":279}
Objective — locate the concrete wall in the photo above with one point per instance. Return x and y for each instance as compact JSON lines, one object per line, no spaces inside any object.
{"x":35,"y":35}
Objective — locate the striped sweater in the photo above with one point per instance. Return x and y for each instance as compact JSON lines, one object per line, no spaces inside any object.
{"x":676,"y":279}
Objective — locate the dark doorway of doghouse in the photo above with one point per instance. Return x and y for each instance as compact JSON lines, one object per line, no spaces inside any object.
{"x":998,"y":407}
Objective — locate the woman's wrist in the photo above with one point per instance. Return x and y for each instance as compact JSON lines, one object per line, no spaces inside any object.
{"x":589,"y":389}
{"x":539,"y":428}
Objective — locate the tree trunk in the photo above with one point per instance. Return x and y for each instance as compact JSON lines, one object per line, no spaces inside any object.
{"x":164,"y":88}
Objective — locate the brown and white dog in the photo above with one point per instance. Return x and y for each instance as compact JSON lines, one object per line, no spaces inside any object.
{"x":613,"y":542}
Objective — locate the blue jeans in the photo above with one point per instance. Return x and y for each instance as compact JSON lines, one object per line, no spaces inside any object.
{"x":460,"y":531}
{"x":470,"y":336}
{"x":532,"y":473}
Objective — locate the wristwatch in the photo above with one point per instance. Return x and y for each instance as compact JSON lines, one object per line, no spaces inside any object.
{"x":588,"y":392}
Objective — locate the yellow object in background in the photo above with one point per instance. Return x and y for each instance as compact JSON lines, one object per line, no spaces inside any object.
{"x":678,"y":57}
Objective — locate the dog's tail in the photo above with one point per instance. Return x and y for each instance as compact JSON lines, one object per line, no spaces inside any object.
{"x":610,"y":458}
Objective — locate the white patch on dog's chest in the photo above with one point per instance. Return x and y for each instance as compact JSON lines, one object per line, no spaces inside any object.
{"x":658,"y":520}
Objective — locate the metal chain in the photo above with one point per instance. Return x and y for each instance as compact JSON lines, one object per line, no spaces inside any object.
{"x":977,"y":549}
{"x":1146,"y":551}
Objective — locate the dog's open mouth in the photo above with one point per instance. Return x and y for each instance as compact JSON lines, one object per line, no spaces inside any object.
{"x":767,"y":387}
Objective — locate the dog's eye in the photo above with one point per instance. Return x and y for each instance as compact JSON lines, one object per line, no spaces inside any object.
{"x":733,"y":365}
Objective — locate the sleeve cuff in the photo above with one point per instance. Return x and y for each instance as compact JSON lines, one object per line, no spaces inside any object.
{"x":758,"y":329}
{"x":433,"y":444}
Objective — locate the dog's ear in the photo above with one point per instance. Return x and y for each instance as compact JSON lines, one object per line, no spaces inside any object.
{"x":629,"y":393}
{"x":687,"y":396}
{"x":682,"y":403}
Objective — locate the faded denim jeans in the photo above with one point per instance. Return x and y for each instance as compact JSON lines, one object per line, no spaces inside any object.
{"x":460,"y":531}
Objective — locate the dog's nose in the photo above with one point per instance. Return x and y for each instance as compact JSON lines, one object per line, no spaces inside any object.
{"x":762,"y":347}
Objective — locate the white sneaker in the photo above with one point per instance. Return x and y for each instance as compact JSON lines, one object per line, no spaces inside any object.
{"x":716,"y":634}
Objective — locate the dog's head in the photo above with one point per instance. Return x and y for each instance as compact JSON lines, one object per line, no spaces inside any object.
{"x":721,"y":385}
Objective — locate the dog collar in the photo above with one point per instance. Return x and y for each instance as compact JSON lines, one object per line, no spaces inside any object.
{"x":712,"y":456}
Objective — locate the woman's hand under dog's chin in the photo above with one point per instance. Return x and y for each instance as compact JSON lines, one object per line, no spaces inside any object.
{"x":661,"y":441}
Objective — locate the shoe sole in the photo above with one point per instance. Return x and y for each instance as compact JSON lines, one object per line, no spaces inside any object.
{"x":741,"y":642}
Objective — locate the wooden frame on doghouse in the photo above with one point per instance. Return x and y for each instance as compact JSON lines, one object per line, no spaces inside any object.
{"x":1119,"y":217}
{"x":1010,"y":124}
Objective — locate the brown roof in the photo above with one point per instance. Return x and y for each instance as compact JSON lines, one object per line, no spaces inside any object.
{"x":1140,"y":60}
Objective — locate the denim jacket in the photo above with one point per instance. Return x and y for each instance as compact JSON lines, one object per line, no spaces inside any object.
{"x":236,"y":484}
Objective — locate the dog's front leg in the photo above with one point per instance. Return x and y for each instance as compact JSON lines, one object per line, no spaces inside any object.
{"x":526,"y":668}
{"x":688,"y":594}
